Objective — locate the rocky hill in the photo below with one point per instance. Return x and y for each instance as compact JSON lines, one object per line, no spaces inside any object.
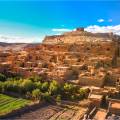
{"x":78,"y":37}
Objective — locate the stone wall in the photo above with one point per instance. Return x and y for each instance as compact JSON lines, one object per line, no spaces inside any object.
{"x":90,"y":81}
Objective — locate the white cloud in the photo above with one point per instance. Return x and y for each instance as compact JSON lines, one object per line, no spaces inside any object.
{"x":60,"y":29}
{"x":110,"y":20}
{"x":100,"y":20}
{"x":103,"y":29}
{"x":17,"y":39}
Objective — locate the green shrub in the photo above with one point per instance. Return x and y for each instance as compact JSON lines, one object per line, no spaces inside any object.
{"x":73,"y":97}
{"x":54,"y":87}
{"x":1,"y":87}
{"x":36,"y":78}
{"x":58,"y":98}
{"x":36,"y":94}
{"x":2,"y":77}
{"x":45,"y":86}
{"x":38,"y":85}
{"x":46,"y":97}
{"x":69,"y":88}
{"x":27,"y":85}
{"x":83,"y":93}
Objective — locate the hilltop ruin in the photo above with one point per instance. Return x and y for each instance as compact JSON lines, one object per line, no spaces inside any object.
{"x":79,"y":36}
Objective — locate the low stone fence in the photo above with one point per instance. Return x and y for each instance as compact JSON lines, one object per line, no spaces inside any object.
{"x":23,"y":110}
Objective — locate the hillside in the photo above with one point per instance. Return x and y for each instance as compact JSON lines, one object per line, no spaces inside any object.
{"x":15,"y":46}
{"x":79,"y":36}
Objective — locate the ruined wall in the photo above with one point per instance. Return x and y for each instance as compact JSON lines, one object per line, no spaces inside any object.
{"x":89,"y":81}
{"x":73,"y":39}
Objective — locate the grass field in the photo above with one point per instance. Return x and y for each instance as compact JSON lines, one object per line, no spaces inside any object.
{"x":8,"y":104}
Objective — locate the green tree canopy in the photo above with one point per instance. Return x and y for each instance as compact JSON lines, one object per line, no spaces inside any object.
{"x":27,"y":85}
{"x":45,"y":86}
{"x":2,"y":77}
{"x":54,"y":87}
{"x":36,"y":94}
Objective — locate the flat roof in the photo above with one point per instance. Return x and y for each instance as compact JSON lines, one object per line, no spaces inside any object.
{"x":115,"y":105}
{"x":93,"y":96}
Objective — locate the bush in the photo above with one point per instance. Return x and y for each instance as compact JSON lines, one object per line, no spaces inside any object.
{"x":45,"y":86}
{"x":36,"y":78}
{"x":69,"y":88}
{"x":2,"y":77}
{"x":58,"y":98}
{"x":83,"y":93}
{"x":47,"y":97}
{"x":36,"y":94}
{"x":27,"y":85}
{"x":73,"y":97}
{"x":1,"y":87}
{"x":38,"y":85}
{"x":54,"y":88}
{"x":11,"y":86}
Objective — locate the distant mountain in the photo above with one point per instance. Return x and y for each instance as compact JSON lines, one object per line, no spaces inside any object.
{"x":15,"y":46}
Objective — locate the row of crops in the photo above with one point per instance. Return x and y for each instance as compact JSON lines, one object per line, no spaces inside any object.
{"x":8,"y":104}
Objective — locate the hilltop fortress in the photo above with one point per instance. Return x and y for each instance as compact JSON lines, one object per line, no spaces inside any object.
{"x":79,"y":36}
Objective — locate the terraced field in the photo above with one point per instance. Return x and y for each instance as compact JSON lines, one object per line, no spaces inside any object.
{"x":8,"y":104}
{"x":53,"y":112}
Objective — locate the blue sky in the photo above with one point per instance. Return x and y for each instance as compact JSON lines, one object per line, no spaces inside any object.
{"x":30,"y":21}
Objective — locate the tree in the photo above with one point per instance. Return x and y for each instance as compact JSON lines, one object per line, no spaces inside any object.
{"x":12,"y":86}
{"x":47,"y":97}
{"x":69,"y":87}
{"x":2,"y":77}
{"x":1,"y":87}
{"x":36,"y":78}
{"x":36,"y":94}
{"x":45,"y":86}
{"x":82,"y":92}
{"x":27,"y":85}
{"x":38,"y":85}
{"x":54,"y":87}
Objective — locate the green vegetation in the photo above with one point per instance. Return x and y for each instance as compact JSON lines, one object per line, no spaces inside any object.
{"x":2,"y":77}
{"x":35,"y":88}
{"x":36,"y":94}
{"x":8,"y":104}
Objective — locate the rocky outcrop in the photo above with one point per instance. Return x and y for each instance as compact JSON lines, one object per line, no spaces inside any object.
{"x":78,"y":37}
